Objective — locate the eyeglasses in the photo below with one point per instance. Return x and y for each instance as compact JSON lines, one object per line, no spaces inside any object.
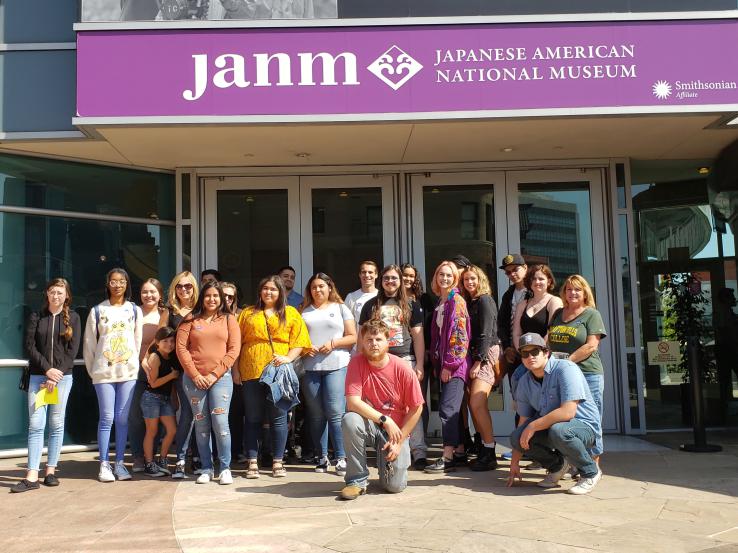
{"x":119,"y":282}
{"x":187,"y":287}
{"x":534,"y":352}
{"x":390,"y":278}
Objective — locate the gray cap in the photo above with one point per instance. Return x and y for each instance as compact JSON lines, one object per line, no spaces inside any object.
{"x":531,"y":339}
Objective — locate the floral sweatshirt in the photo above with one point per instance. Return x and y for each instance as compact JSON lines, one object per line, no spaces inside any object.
{"x":112,"y":342}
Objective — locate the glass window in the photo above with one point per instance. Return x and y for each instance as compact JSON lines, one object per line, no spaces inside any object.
{"x":624,"y":263}
{"x":38,"y":21}
{"x":556,"y":227}
{"x":68,"y":186}
{"x":34,"y":249}
{"x":185,"y":195}
{"x":253,"y":236}
{"x":347,"y":229}
{"x":451,"y":215}
{"x":620,"y":182}
{"x":635,"y":415}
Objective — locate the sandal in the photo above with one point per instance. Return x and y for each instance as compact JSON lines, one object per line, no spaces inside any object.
{"x":278,"y":470}
{"x":252,"y":471}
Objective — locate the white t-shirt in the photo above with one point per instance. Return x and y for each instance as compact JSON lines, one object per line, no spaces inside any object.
{"x":356,"y":300}
{"x":323,"y":326}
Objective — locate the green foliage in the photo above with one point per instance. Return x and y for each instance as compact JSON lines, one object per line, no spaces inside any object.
{"x":683,"y":304}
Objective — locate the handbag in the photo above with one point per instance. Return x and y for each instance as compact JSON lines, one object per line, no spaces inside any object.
{"x":25,"y":379}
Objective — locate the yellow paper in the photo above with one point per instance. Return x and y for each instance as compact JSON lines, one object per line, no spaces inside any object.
{"x":45,"y":397}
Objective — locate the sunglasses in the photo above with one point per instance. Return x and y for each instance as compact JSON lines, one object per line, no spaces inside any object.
{"x":184,"y":287}
{"x":228,"y":296}
{"x":535,"y":352}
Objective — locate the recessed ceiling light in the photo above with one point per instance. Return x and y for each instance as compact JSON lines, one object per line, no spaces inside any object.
{"x":507,"y":149}
{"x":703,"y":170}
{"x":247,"y":154}
{"x":302,"y":154}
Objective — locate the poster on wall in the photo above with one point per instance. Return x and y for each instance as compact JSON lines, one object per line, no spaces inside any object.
{"x":208,"y":10}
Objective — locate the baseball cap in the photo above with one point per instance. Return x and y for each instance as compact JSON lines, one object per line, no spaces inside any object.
{"x":531,"y":339}
{"x":512,"y":259}
{"x":461,"y":261}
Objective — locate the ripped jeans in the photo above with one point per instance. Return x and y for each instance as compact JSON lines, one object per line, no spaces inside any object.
{"x":210,"y":411}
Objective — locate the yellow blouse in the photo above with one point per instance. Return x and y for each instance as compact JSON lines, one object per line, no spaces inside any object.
{"x":255,"y":349}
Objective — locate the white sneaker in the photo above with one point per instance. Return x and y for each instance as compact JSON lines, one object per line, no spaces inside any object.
{"x":585,"y":485}
{"x":105,"y":474}
{"x":225,"y":477}
{"x":205,"y":477}
{"x":179,"y":471}
{"x":121,"y":472}
{"x":552,"y":478}
{"x":341,"y":467}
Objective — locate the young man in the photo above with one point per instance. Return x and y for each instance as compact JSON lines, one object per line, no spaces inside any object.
{"x":383,"y":405}
{"x":367,"y":276}
{"x":210,"y":275}
{"x":559,"y":420}
{"x":515,"y":270}
{"x":287,"y":274}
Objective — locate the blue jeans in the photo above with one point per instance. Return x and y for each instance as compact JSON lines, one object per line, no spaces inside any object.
{"x":358,"y":433}
{"x":568,"y":440}
{"x":37,"y":422}
{"x":255,"y":405}
{"x":114,"y":404}
{"x":596,"y":383}
{"x":210,"y":412}
{"x":326,"y":402}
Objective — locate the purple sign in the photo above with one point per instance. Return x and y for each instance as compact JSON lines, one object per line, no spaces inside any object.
{"x":395,"y":72}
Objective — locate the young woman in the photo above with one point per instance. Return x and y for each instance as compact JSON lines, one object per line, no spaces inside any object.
{"x":575,"y":334}
{"x":156,"y":403}
{"x":534,"y":314}
{"x":152,"y":308}
{"x":182,"y":297}
{"x":404,"y":318}
{"x":111,"y":352}
{"x":332,"y":331}
{"x":52,"y":339}
{"x":449,"y":354}
{"x":484,"y":348}
{"x":208,"y":343}
{"x":271,"y":331}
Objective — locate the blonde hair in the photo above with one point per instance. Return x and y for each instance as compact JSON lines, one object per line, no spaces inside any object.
{"x":577,"y":281}
{"x":482,"y":288}
{"x":454,"y":271}
{"x":172,"y":295}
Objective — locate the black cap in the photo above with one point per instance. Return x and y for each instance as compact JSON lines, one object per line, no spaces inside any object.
{"x":461,"y":261}
{"x":531,"y":339}
{"x":512,"y":259}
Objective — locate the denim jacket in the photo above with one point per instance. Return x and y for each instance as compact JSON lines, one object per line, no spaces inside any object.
{"x":284,"y":388}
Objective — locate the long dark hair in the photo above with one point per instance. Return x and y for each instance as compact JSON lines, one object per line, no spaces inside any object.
{"x":400,"y":297}
{"x":199,"y":308}
{"x":162,"y":334}
{"x":68,"y":332}
{"x":333,"y":295}
{"x":280,"y":306}
{"x":417,"y":287}
{"x":111,"y":272}
{"x":159,"y":288}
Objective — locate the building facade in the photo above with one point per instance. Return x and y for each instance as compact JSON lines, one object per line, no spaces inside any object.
{"x":248,"y":135}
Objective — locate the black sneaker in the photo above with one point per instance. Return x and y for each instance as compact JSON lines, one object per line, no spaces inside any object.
{"x":420,"y":464}
{"x":441,"y":466}
{"x":51,"y":480}
{"x":460,"y":459}
{"x":486,"y":459}
{"x":24,"y":486}
{"x":322,"y":465}
{"x":163,"y":466}
{"x":153,"y":470}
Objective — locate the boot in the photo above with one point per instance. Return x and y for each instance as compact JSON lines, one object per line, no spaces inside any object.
{"x":486,"y":459}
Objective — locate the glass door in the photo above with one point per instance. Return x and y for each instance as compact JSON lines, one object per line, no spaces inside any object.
{"x":252,"y":228}
{"x":557,"y":218}
{"x":462,"y":213}
{"x":345,"y":220}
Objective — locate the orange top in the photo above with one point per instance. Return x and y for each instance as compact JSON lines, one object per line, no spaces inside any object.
{"x":208,"y":347}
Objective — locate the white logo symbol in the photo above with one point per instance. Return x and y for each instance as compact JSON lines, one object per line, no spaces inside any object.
{"x":395,"y":67}
{"x":661,"y":89}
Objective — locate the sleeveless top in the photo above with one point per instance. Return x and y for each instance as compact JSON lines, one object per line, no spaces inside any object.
{"x":165,"y":367}
{"x":538,"y":323}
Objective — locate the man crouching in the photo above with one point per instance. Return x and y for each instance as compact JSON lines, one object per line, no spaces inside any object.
{"x":559,"y":420}
{"x":383,"y":404}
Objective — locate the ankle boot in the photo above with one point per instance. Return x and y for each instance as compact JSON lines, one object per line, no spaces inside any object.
{"x":486,"y":460}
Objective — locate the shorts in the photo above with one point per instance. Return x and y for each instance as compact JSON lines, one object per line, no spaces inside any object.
{"x":485,"y":374}
{"x":154,"y":405}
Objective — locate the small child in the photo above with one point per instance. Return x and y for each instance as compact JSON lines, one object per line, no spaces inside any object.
{"x":155,"y":400}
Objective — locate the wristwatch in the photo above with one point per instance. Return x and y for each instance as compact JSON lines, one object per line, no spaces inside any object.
{"x":381,"y":421}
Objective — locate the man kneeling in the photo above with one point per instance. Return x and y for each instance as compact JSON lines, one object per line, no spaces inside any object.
{"x":383,"y":404}
{"x":559,"y":420}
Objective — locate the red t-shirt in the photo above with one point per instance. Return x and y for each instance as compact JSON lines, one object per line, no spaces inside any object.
{"x":392,"y":390}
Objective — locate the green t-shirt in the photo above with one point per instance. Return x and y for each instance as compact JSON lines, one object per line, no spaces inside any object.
{"x":567,"y":337}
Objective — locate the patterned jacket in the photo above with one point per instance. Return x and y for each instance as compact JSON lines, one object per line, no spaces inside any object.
{"x":450,"y":344}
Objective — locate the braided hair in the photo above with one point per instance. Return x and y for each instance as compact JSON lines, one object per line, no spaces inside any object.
{"x":68,"y":332}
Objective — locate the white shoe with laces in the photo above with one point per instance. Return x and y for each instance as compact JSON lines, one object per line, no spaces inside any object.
{"x":341,"y":467}
{"x":225,"y":477}
{"x":205,"y":477}
{"x":585,"y":485}
{"x":121,"y":472}
{"x":106,"y":473}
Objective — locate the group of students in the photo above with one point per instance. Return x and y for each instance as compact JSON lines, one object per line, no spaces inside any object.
{"x":359,"y":387}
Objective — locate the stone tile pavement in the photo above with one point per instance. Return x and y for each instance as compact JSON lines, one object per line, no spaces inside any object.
{"x":652,"y":498}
